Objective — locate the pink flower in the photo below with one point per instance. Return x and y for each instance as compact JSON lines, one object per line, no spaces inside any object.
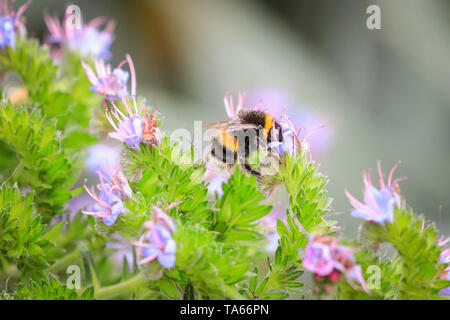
{"x":111,"y":84}
{"x":318,"y":259}
{"x":324,"y":256}
{"x":378,"y":205}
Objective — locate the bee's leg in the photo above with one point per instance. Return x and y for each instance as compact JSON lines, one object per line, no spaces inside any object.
{"x":250,"y":170}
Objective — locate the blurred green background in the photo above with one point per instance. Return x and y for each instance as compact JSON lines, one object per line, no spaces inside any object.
{"x":383,"y":94}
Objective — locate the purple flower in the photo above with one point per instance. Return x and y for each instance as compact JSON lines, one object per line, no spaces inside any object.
{"x":10,"y":23}
{"x":157,"y":242}
{"x":324,"y":256}
{"x":87,"y":40}
{"x":290,"y":142}
{"x":136,"y":127}
{"x":378,"y":205}
{"x":111,"y":84}
{"x":108,"y":205}
{"x":445,"y":258}
{"x":161,"y":246}
{"x":109,"y":202}
{"x":318,"y":258}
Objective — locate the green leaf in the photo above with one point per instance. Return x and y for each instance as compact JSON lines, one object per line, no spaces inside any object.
{"x":169,"y":288}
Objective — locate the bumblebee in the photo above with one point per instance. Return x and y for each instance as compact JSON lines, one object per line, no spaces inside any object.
{"x":245,"y":142}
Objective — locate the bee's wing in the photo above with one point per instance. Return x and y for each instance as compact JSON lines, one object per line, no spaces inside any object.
{"x":216,"y":125}
{"x":230,"y":126}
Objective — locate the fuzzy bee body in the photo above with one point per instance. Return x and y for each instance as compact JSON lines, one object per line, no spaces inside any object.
{"x":234,"y":142}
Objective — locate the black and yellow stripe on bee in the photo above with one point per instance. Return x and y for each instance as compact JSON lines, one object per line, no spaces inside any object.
{"x":227,"y":140}
{"x":263,"y":120}
{"x":225,"y":147}
{"x":268,"y":124}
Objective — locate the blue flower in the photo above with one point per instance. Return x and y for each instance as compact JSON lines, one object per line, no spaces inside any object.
{"x":7,"y":33}
{"x":162,"y":247}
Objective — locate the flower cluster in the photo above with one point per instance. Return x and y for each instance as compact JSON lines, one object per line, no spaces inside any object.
{"x":378,"y":205}
{"x":85,"y":39}
{"x":157,"y":242}
{"x":112,"y":191}
{"x":10,"y":23}
{"x":135,"y":127}
{"x":111,"y":84}
{"x":325,"y":257}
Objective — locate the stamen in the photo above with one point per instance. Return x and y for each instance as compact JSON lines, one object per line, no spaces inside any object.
{"x":392,"y":172}
{"x":380,"y":174}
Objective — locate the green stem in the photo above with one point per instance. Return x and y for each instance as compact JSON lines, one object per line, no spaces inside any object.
{"x":128,"y":286}
{"x":65,"y":261}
